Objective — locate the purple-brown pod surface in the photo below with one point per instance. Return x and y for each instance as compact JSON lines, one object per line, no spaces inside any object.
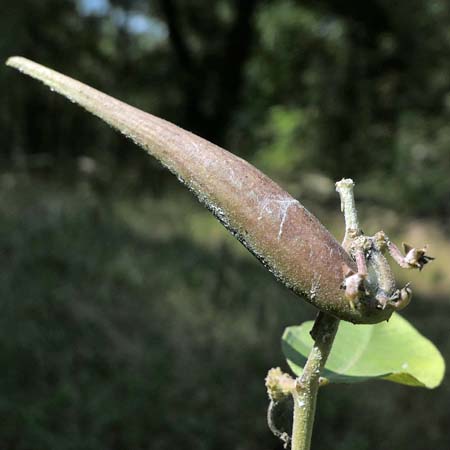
{"x":274,"y":226}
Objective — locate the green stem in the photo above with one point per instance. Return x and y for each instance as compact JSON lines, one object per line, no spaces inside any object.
{"x":345,"y":190}
{"x":323,"y":332}
{"x":305,"y":393}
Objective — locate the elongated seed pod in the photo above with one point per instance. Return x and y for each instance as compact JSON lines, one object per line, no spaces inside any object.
{"x":275,"y":227}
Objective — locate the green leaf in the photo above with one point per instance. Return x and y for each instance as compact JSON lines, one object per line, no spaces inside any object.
{"x":393,"y":351}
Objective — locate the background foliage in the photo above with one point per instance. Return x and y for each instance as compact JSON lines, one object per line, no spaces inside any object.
{"x":130,"y":319}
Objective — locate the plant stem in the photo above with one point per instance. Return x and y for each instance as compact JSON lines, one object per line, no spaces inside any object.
{"x":345,"y":190}
{"x":323,"y":332}
{"x":305,"y":393}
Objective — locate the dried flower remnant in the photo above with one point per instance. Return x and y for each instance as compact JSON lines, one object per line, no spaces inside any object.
{"x":374,"y":277}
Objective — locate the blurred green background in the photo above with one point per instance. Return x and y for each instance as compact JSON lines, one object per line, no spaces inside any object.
{"x":129,"y":318}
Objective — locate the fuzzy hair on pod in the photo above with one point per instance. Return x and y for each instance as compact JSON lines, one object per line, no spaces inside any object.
{"x":289,"y":241}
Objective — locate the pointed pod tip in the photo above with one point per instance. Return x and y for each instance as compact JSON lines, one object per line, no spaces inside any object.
{"x":21,"y":64}
{"x":14,"y":61}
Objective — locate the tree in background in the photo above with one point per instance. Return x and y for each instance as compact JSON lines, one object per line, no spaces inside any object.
{"x":310,"y":86}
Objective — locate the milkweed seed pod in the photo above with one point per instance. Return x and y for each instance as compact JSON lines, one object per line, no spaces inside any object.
{"x":276,"y":228}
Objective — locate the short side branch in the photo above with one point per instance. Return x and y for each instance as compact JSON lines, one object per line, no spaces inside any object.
{"x":345,"y":190}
